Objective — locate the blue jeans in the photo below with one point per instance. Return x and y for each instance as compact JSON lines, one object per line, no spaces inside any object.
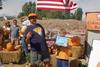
{"x":24,"y":45}
{"x":62,"y":63}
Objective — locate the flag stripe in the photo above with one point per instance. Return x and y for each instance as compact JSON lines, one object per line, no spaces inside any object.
{"x":49,"y":2}
{"x":55,"y":9}
{"x":49,"y":5}
{"x":52,"y":0}
{"x":52,"y":6}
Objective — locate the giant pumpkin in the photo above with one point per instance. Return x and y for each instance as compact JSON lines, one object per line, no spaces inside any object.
{"x":74,"y":41}
{"x":9,"y":46}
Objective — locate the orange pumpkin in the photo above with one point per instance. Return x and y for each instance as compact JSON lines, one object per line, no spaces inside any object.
{"x":10,"y":46}
{"x":68,"y":52}
{"x":74,"y":41}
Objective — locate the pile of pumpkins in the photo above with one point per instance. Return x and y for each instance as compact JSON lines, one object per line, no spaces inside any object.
{"x":11,"y":47}
{"x":66,"y":52}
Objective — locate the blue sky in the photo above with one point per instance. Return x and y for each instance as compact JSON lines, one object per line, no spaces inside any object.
{"x":13,"y":7}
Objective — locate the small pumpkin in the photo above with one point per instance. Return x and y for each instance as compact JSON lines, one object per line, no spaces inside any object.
{"x":74,"y":41}
{"x":10,"y":46}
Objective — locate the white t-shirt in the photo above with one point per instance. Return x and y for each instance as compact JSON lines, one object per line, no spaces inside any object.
{"x":26,"y":23}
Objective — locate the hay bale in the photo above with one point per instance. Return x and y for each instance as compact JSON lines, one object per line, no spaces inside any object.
{"x":10,"y":56}
{"x":77,"y":51}
{"x":53,"y":60}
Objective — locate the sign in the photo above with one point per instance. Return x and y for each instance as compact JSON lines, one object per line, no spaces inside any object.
{"x":95,"y":54}
{"x":93,"y":25}
{"x":62,"y":41}
{"x":93,"y":21}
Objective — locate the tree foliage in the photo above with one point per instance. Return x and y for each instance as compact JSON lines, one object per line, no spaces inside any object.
{"x":78,"y":14}
{"x":28,"y":7}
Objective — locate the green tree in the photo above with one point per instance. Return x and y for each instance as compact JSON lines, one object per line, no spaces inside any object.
{"x":66,"y":15}
{"x":27,"y":8}
{"x":78,"y":14}
{"x":21,"y":14}
{"x":43,"y":13}
{"x":54,"y":14}
{"x":72,"y":16}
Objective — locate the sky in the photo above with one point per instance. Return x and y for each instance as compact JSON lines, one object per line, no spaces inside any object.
{"x":13,"y":7}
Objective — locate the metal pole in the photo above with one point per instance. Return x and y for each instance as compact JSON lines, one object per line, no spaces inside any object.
{"x":35,"y":6}
{"x":0,"y":4}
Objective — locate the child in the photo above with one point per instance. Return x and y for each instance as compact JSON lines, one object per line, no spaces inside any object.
{"x":63,"y":52}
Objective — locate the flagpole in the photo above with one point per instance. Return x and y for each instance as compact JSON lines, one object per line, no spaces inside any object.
{"x":35,"y":6}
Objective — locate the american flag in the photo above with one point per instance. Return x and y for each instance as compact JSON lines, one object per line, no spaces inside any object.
{"x":55,"y":5}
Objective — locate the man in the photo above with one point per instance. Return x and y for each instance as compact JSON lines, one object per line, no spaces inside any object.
{"x":35,"y":35}
{"x":14,"y":31}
